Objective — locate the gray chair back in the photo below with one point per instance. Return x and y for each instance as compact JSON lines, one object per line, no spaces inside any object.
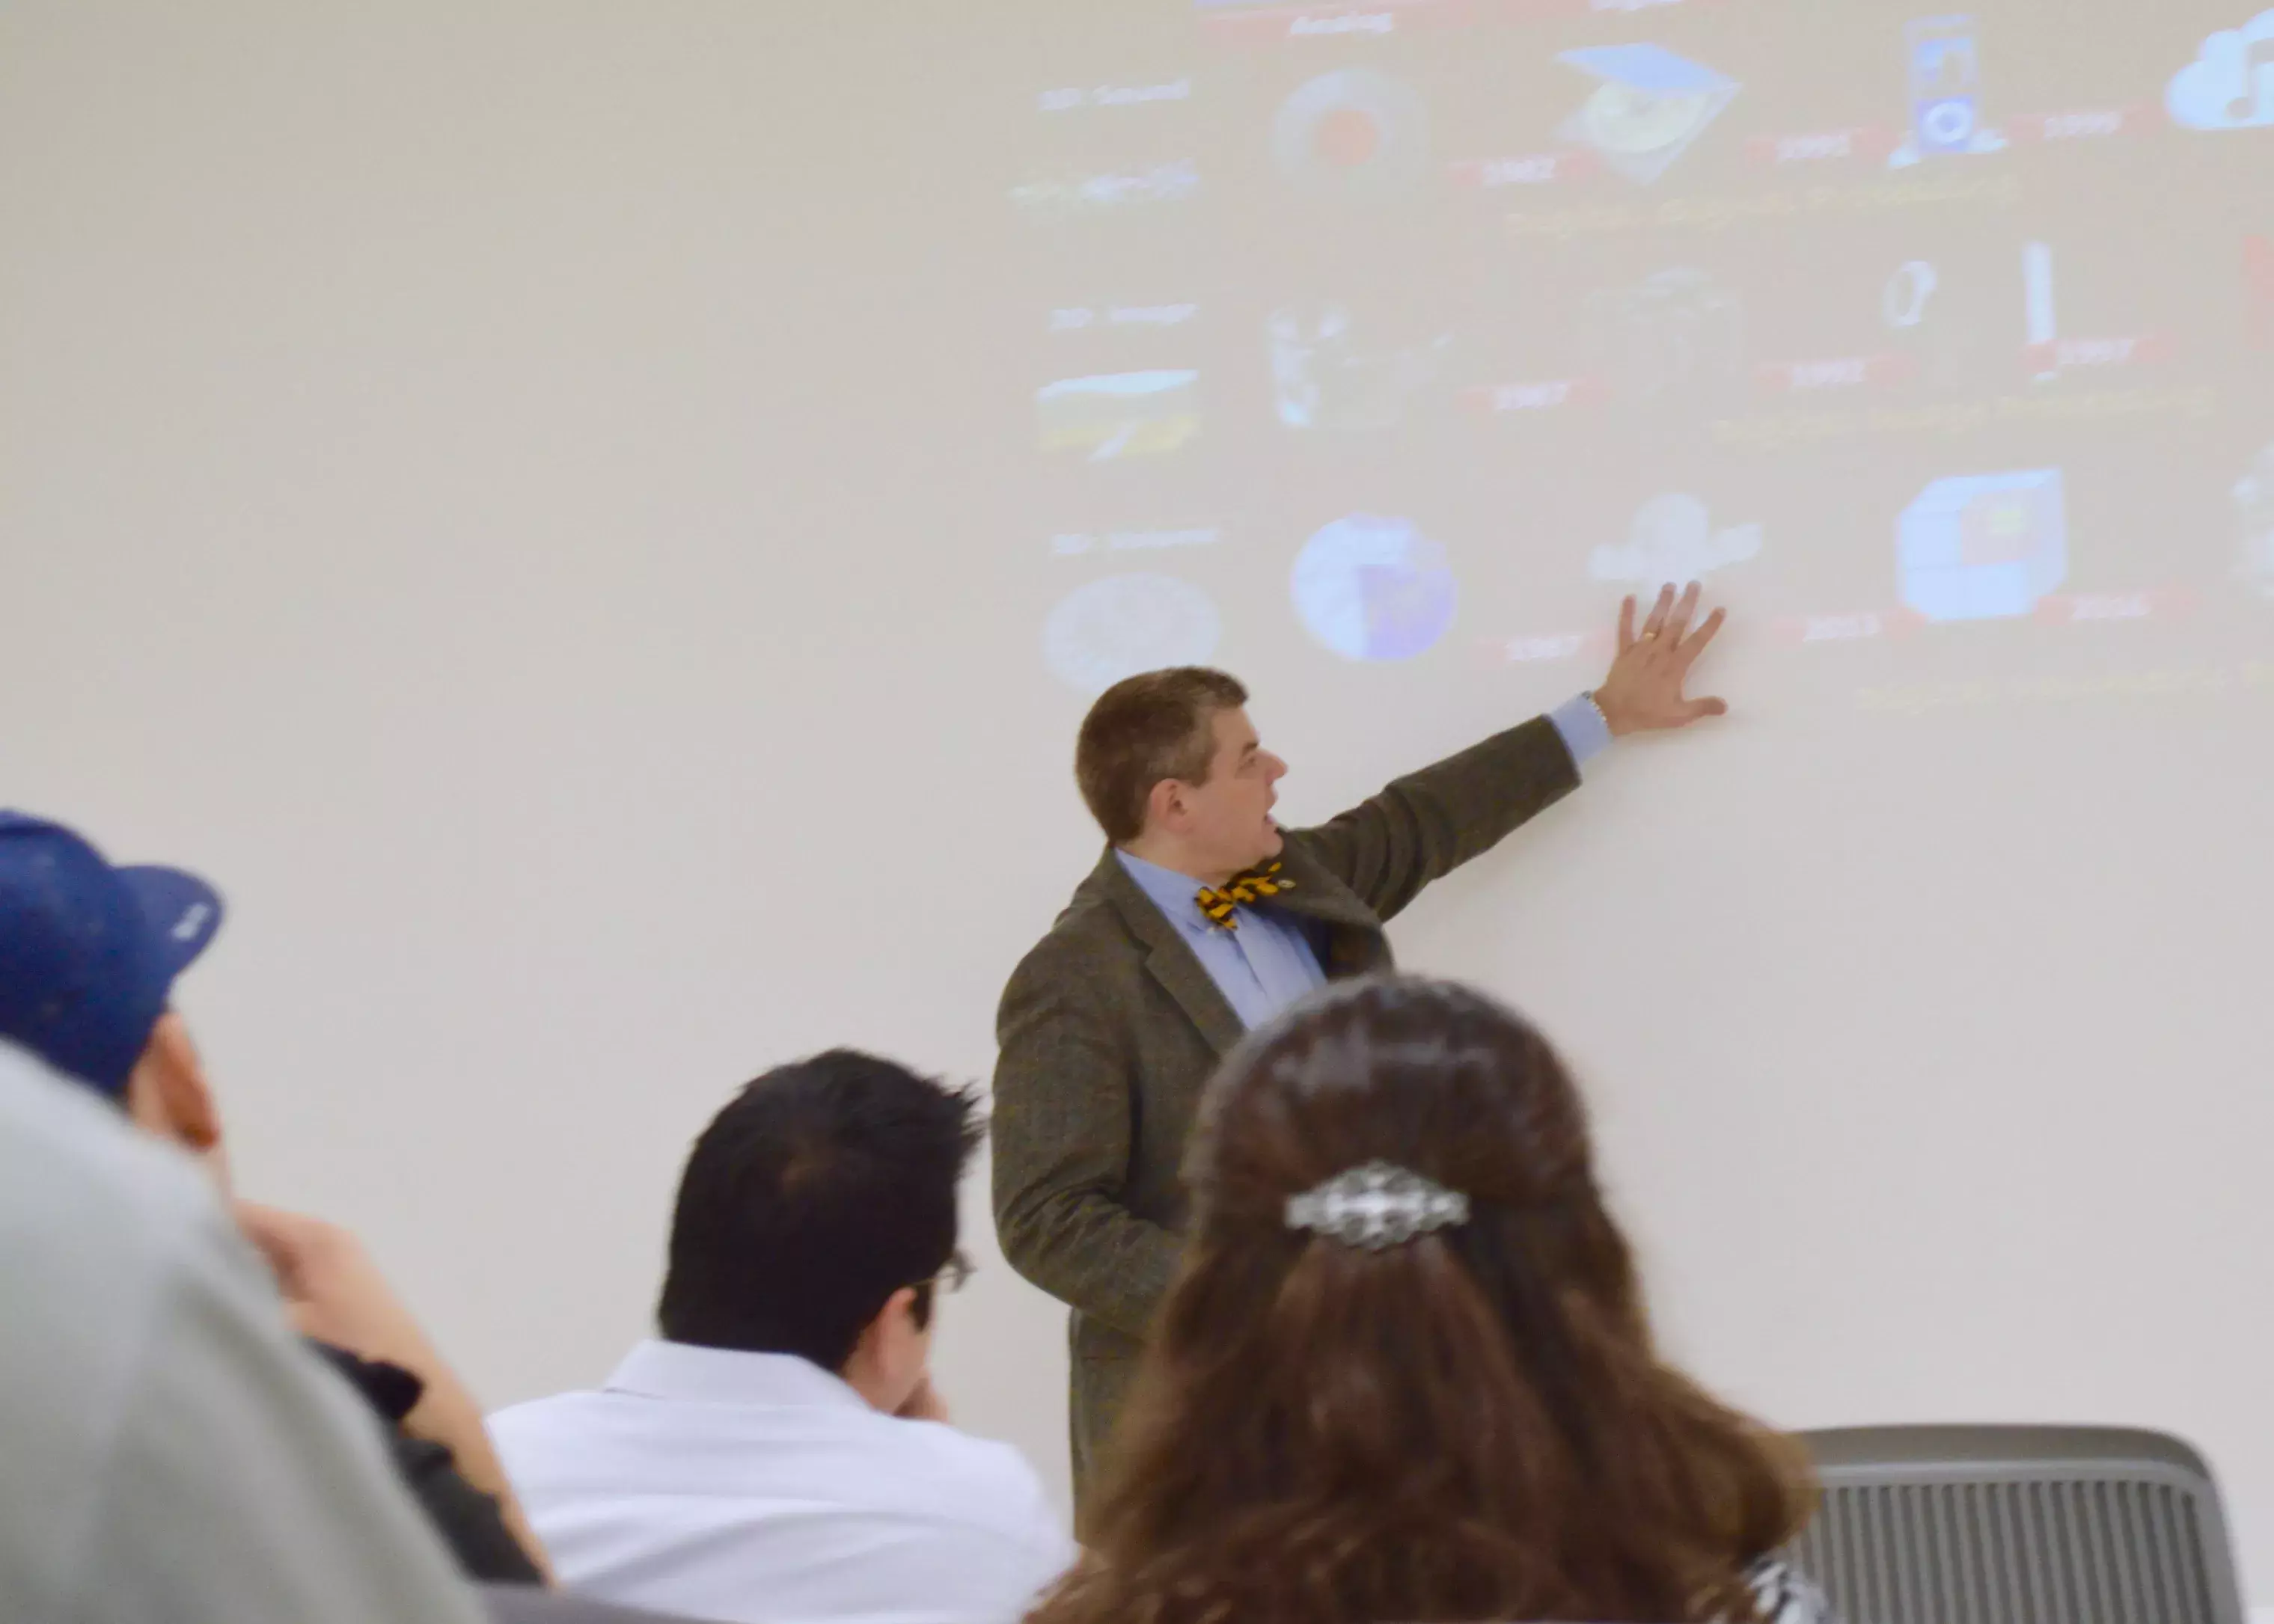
{"x":2017,"y":1525}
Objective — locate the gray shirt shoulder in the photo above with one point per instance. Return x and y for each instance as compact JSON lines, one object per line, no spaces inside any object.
{"x":173,"y":1453}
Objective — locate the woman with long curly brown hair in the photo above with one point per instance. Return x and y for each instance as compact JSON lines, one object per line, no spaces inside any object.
{"x":1405,"y":1372}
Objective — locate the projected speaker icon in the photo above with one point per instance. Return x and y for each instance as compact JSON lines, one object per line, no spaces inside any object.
{"x":1676,"y":338}
{"x":1327,"y":374}
{"x":1373,"y":588}
{"x":1984,"y":546}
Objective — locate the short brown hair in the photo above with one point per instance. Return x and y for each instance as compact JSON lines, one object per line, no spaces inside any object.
{"x":1154,"y":726}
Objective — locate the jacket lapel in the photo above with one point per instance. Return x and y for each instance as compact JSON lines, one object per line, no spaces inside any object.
{"x":1169,"y":958}
{"x":1354,"y":942}
{"x":1316,"y":894}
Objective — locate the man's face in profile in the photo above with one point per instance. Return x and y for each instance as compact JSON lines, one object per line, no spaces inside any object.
{"x":1230,"y":822}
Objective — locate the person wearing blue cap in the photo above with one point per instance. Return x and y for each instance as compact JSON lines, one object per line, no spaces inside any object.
{"x":89,"y":953}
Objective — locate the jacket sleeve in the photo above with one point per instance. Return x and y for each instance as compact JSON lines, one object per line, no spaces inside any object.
{"x":470,"y":1522}
{"x":1062,"y":1131}
{"x":1429,"y":823}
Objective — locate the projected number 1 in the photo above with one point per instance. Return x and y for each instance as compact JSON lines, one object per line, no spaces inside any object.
{"x":2041,"y":319}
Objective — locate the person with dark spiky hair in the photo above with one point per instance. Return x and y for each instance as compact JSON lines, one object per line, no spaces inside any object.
{"x":779,"y":1451}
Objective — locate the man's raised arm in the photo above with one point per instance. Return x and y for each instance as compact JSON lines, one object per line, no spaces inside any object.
{"x":1426,"y":824}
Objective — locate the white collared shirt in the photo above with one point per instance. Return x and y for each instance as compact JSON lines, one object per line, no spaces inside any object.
{"x":757,"y":1488}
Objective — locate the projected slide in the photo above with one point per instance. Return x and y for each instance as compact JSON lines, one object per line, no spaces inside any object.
{"x":1416,"y":333}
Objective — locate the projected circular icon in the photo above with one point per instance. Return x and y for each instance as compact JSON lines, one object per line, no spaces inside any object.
{"x":1117,"y":627}
{"x":1648,"y":105}
{"x":1620,"y":118}
{"x":1353,"y":131}
{"x":1372,"y":588}
{"x":1947,"y":123}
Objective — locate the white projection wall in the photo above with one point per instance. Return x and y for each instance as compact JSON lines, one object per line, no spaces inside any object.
{"x":1938,"y":343}
{"x":595,"y":523}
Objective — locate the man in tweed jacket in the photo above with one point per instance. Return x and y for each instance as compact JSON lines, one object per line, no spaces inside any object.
{"x":1183,"y":937}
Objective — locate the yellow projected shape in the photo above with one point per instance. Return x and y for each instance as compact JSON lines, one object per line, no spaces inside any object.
{"x":1131,"y":437}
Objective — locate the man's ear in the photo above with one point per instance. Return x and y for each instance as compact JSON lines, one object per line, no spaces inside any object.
{"x":1164,"y":807}
{"x":890,"y":1359}
{"x":167,"y":1092}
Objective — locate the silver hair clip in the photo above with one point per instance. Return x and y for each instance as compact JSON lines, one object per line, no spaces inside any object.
{"x":1377,"y":1205}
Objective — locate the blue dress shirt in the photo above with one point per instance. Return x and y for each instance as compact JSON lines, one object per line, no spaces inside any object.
{"x":1260,"y":968}
{"x":1271,"y":961}
{"x":1585,"y":733}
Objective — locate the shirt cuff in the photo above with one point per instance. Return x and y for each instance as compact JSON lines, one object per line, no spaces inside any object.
{"x":1585,"y":733}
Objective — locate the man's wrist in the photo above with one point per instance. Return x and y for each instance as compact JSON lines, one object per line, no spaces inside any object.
{"x":1611,"y":714}
{"x":1583,"y":728}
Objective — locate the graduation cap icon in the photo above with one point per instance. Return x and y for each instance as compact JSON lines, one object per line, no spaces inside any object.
{"x":1647,"y":107}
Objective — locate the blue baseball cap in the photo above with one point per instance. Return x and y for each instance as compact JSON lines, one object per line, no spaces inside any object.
{"x":88,"y":952}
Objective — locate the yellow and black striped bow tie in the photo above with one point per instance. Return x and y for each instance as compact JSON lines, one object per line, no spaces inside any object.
{"x":1218,"y":905}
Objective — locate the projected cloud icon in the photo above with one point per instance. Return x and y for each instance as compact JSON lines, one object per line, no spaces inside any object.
{"x":2230,"y":85}
{"x":1354,"y":132}
{"x":1125,"y":624}
{"x":1371,"y":588}
{"x":1648,"y":108}
{"x":1674,"y":540}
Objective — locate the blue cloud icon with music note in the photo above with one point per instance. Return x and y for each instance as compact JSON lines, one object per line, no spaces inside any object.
{"x":2230,"y":85}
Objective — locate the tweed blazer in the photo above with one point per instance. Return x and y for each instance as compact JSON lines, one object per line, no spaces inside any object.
{"x":1110,"y":1027}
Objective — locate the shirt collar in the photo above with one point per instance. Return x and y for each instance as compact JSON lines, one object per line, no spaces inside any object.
{"x":1176,"y":895}
{"x":680,"y":1370}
